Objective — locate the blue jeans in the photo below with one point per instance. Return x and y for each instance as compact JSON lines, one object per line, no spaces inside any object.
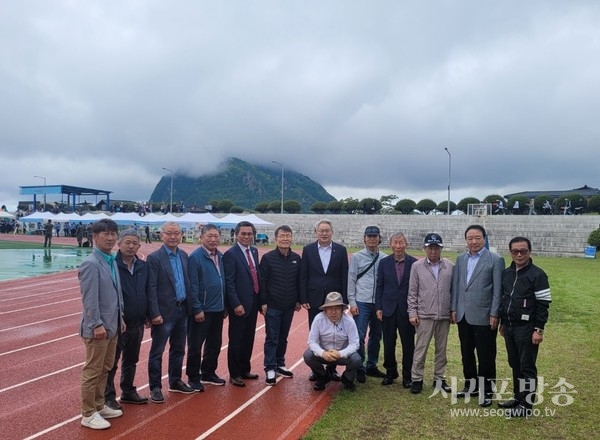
{"x":367,"y":318}
{"x":278,"y":323}
{"x":174,"y":331}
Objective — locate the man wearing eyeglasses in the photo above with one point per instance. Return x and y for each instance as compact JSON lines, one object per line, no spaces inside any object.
{"x":168,"y":310}
{"x":476,"y":295}
{"x":242,"y":280}
{"x":524,"y":312}
{"x":323,"y":269}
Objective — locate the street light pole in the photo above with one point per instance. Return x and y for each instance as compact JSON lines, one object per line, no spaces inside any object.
{"x":42,"y":177}
{"x":171,"y":200}
{"x":449,"y":174}
{"x":281,"y":165}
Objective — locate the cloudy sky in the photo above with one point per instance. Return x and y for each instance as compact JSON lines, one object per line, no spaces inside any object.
{"x":361,"y":96}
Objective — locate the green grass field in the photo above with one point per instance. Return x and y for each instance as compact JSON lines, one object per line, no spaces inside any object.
{"x":570,"y":350}
{"x":5,"y":244}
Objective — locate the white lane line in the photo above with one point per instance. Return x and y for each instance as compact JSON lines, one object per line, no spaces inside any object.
{"x":38,"y":345}
{"x":39,"y":322}
{"x":41,"y":305}
{"x":35,"y":379}
{"x":36,"y":295}
{"x":231,"y":415}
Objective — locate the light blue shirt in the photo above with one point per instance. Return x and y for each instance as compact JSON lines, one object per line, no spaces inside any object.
{"x":177,"y":267}
{"x":472,"y":262}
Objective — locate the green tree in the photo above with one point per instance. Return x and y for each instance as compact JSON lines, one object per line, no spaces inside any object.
{"x":405,"y":206}
{"x":594,"y":204}
{"x":426,"y":205}
{"x":319,"y":207}
{"x":387,"y":202}
{"x":443,"y":206}
{"x":262,"y":207}
{"x":463,"y":205}
{"x":369,"y":206}
{"x":236,"y":210}
{"x":539,"y":202}
{"x":275,"y":206}
{"x":523,"y":201}
{"x":350,"y":205}
{"x":292,"y":206}
{"x":576,"y":201}
{"x":335,"y":207}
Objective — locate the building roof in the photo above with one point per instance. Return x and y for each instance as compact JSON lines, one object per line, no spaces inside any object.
{"x":585,"y":191}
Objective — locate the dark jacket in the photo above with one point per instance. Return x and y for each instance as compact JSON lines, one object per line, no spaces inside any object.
{"x":238,"y":279}
{"x":280,"y":280}
{"x":135,"y":300}
{"x":391,"y":296}
{"x":525,"y":296}
{"x":207,"y":284}
{"x":315,"y":284}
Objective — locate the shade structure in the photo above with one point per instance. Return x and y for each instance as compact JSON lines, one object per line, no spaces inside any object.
{"x":4,"y":214}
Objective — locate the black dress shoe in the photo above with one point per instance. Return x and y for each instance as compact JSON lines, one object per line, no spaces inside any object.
{"x":406,"y":383}
{"x":313,"y":376}
{"x":520,"y":411}
{"x":348,"y":384}
{"x":387,"y":381}
{"x":321,"y":382}
{"x":374,"y":372}
{"x":249,"y":376}
{"x":466,"y":391}
{"x":237,"y":381}
{"x":134,"y":398}
{"x":361,"y":376}
{"x":486,"y":401}
{"x":441,"y":384}
{"x":112,"y":404}
{"x":333,"y":375}
{"x":510,"y":403}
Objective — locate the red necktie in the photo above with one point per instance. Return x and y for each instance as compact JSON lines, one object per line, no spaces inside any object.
{"x":252,"y":270}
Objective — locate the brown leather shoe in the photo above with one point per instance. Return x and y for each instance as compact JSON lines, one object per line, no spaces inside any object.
{"x":237,"y":381}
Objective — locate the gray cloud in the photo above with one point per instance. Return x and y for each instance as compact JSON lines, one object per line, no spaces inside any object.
{"x":360,"y":96}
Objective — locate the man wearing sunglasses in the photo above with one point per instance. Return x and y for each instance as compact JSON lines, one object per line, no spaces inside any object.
{"x":523,"y":314}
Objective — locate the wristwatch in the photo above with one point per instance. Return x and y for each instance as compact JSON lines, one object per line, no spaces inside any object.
{"x":539,"y":330}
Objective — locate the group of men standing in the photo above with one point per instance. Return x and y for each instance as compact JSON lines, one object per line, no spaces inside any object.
{"x":184,"y":299}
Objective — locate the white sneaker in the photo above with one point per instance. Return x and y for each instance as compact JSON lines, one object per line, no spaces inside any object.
{"x":95,"y":421}
{"x":271,"y":380}
{"x":108,"y":413}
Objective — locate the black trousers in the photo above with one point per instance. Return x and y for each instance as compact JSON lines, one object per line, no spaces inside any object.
{"x":128,"y":348}
{"x":522,"y":356}
{"x":241,"y":340}
{"x":480,"y":339}
{"x":392,"y":326}
{"x":204,"y":345}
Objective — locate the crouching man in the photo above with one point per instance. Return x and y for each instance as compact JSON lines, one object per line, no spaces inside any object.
{"x":333,"y":340}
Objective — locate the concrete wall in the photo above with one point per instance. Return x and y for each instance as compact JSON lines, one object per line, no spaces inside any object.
{"x":552,"y":235}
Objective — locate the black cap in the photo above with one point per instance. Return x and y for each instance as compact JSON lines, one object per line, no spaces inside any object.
{"x":433,"y":239}
{"x":372,"y":230}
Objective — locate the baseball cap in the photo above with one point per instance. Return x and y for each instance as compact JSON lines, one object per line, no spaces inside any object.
{"x":372,"y":230}
{"x":433,"y":239}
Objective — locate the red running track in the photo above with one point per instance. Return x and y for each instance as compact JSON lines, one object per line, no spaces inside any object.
{"x":41,"y":356}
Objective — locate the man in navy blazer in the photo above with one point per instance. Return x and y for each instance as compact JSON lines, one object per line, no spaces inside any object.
{"x":391,"y":304}
{"x":323,"y":269}
{"x":476,"y":296}
{"x":101,"y":322}
{"x":242,"y":287}
{"x":168,"y":310}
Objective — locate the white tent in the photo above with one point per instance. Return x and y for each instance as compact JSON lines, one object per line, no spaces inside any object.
{"x":126,"y":218}
{"x":191,"y":217}
{"x":4,"y":214}
{"x":256,"y":221}
{"x":38,"y":216}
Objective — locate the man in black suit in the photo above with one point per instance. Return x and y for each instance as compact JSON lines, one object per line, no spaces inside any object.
{"x":391,"y":304}
{"x":323,"y":269}
{"x":242,"y":287}
{"x":168,"y":310}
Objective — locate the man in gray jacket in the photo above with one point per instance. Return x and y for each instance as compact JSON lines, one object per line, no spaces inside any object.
{"x":429,"y":299}
{"x":362,"y":276}
{"x":476,"y":295}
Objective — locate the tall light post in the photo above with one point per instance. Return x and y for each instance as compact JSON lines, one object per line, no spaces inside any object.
{"x":171,"y":202}
{"x":42,"y":177}
{"x":449,"y":174}
{"x":281,"y":165}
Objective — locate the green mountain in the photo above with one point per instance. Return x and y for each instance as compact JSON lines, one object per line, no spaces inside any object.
{"x":243,"y":183}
